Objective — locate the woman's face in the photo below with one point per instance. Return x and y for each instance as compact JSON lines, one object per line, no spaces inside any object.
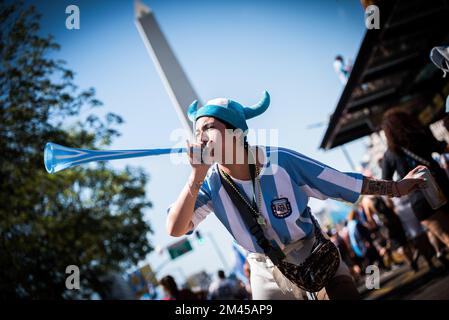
{"x":213,"y":133}
{"x":209,"y":130}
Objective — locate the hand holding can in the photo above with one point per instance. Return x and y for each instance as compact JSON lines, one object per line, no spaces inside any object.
{"x":431,"y":191}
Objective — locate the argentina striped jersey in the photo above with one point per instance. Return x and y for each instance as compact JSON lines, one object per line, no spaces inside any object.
{"x":287,"y":180}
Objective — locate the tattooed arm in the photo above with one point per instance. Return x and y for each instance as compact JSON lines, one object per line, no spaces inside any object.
{"x":380,"y":187}
{"x":392,"y":188}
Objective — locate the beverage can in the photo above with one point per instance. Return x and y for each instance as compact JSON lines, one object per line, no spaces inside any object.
{"x":431,"y":191}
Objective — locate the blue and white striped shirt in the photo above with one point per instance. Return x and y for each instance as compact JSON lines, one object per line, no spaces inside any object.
{"x":287,"y":180}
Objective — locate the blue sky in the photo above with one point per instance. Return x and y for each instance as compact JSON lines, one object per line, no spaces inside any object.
{"x":232,"y":49}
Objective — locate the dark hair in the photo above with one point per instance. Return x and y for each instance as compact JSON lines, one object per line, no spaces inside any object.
{"x":339,"y":57}
{"x":403,"y":130}
{"x":221,"y":274}
{"x":170,"y":284}
{"x":227,"y":124}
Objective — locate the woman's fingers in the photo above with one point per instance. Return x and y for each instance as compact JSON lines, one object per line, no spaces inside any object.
{"x":189,"y":150}
{"x":413,"y":171}
{"x":192,"y":152}
{"x":418,"y":168}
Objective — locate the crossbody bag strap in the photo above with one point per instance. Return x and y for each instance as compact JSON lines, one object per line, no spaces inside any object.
{"x":414,"y":156}
{"x":250,"y":220}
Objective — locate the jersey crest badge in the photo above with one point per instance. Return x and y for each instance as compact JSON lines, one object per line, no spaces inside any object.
{"x":281,"y":208}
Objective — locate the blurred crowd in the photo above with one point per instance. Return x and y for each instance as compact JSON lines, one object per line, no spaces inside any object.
{"x":389,"y":232}
{"x":222,"y":288}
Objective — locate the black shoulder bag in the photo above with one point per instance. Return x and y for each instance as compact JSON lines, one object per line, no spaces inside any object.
{"x":315,"y":271}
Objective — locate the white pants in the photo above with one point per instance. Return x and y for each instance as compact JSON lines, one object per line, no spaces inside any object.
{"x":264,"y":285}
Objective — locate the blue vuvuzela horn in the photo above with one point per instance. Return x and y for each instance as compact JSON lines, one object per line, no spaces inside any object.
{"x":57,"y":157}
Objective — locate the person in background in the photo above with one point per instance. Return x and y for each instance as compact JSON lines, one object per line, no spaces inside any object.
{"x":415,"y":231}
{"x":172,"y":292}
{"x":411,"y":144}
{"x":222,"y":288}
{"x":361,"y":242}
{"x":396,"y":233}
{"x":369,"y":217}
{"x":240,"y":288}
{"x":438,"y":246}
{"x":346,"y":252}
{"x":342,"y":69}
{"x":356,"y":269}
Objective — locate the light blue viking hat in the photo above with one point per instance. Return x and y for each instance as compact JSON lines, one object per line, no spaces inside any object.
{"x":229,"y":111}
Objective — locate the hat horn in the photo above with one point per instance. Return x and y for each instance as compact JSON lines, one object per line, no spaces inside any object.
{"x":191,"y":111}
{"x":259,"y":108}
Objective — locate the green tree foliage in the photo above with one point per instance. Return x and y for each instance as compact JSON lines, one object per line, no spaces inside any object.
{"x":90,"y":216}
